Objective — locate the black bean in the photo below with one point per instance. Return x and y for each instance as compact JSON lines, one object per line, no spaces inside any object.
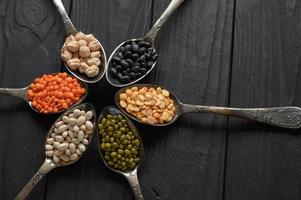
{"x":135,"y":47}
{"x":155,"y":57}
{"x":142,"y":58}
{"x":144,"y":44}
{"x":114,"y":64}
{"x":135,"y":56}
{"x":148,"y":56}
{"x":127,"y":54}
{"x":118,"y":68}
{"x":119,"y":75}
{"x":142,"y":70}
{"x":143,"y":64}
{"x":132,"y":75}
{"x":154,"y":51}
{"x":116,"y":59}
{"x":125,"y":79}
{"x":130,"y":62}
{"x":127,"y":47}
{"x":142,"y":50}
{"x":136,"y":63}
{"x":135,"y":68}
{"x":113,"y":72}
{"x":120,"y":55}
{"x":149,"y":64}
{"x":124,"y":64}
{"x":125,"y":73}
{"x":138,"y":75}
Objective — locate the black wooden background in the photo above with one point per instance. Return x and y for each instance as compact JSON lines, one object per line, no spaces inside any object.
{"x":239,"y":53}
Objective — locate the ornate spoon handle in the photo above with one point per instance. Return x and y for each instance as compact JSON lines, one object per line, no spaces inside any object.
{"x":173,"y":5}
{"x":17,"y":92}
{"x":133,"y":180}
{"x":69,"y":27}
{"x":45,"y":168}
{"x":285,"y":117}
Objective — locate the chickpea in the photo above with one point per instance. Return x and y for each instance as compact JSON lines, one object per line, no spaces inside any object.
{"x":84,"y":51}
{"x":66,"y":55}
{"x":94,"y":45}
{"x":83,"y":67}
{"x":93,"y":61}
{"x":89,"y":38}
{"x":95,"y":54}
{"x":79,"y":36}
{"x":92,"y":71}
{"x":74,"y":63}
{"x":73,"y":46}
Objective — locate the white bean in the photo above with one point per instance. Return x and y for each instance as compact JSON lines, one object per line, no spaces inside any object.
{"x":89,"y":131}
{"x":72,"y":147}
{"x":56,"y":159}
{"x":65,"y":134}
{"x":83,"y":127}
{"x":59,"y":123}
{"x":67,"y":152}
{"x":89,"y":125}
{"x":85,"y":141}
{"x":71,"y":115}
{"x":58,"y":153}
{"x":82,"y":147}
{"x":50,"y":140}
{"x":56,"y":130}
{"x":71,"y":134}
{"x":80,"y":135}
{"x":73,"y":156}
{"x":76,"y":128}
{"x":83,"y":113}
{"x":62,"y":147}
{"x":56,"y":144}
{"x":53,"y":135}
{"x":80,"y":120}
{"x":62,"y":128}
{"x":68,"y":139}
{"x":72,"y":121}
{"x":59,"y":138}
{"x":66,"y":119}
{"x":48,"y":147}
{"x":89,"y":115}
{"x":78,"y":152}
{"x":49,"y":153}
{"x":76,"y":112}
{"x":64,"y":157}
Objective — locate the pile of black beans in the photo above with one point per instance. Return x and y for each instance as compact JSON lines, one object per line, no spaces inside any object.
{"x":132,"y":60}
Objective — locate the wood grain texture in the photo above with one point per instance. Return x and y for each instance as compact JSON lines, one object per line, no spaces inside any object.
{"x":30,"y":39}
{"x":264,"y":162}
{"x":186,"y":160}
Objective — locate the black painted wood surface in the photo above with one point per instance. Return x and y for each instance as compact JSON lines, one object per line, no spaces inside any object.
{"x":219,"y":52}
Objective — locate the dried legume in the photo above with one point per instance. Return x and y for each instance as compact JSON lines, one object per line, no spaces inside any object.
{"x":54,"y":92}
{"x":132,"y":60}
{"x":120,"y":145}
{"x":70,"y":144}
{"x":149,"y":105}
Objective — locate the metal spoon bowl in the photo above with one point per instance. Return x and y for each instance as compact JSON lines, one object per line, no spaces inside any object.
{"x":71,"y":30}
{"x":285,"y":117}
{"x":49,"y":164}
{"x":22,"y":93}
{"x":130,"y":175}
{"x":149,"y":37}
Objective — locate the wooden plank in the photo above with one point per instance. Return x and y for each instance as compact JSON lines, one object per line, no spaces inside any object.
{"x":30,"y":37}
{"x":111,"y":22}
{"x":186,"y":160}
{"x":264,"y":162}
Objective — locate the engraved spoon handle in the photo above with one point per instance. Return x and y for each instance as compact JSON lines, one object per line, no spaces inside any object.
{"x":44,"y":169}
{"x":17,"y":92}
{"x":134,"y":183}
{"x":285,"y":117}
{"x":173,"y":5}
{"x":69,"y":27}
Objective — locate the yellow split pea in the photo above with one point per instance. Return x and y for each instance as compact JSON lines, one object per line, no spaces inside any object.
{"x":149,"y":105}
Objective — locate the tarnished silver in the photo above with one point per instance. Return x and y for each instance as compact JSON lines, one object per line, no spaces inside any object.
{"x":130,"y":175}
{"x":285,"y":117}
{"x":150,"y":37}
{"x":22,"y":93}
{"x":71,"y":30}
{"x":49,"y":164}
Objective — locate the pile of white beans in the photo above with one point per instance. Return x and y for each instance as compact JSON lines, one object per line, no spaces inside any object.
{"x":70,"y":136}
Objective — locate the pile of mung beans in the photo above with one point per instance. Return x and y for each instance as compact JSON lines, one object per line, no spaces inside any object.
{"x":119,"y":143}
{"x":70,"y":136}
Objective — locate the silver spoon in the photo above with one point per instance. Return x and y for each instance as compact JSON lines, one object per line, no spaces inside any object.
{"x":149,"y":37}
{"x":285,"y":117}
{"x":22,"y":93}
{"x":71,"y":30}
{"x":130,"y":175}
{"x":49,"y":164}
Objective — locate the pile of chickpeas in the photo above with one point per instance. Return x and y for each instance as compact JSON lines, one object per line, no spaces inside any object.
{"x":70,"y":136}
{"x":82,"y":52}
{"x":119,"y":143}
